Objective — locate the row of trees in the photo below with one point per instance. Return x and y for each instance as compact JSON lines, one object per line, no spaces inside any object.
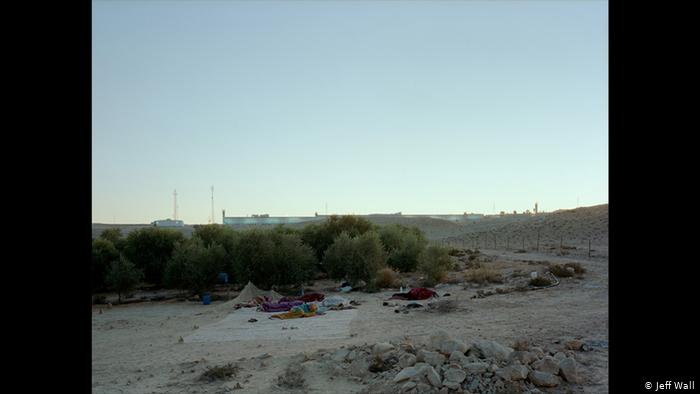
{"x":344,"y":247}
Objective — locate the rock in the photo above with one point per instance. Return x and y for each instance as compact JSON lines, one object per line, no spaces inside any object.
{"x":559,"y":356}
{"x":475,"y":368}
{"x":408,"y":386}
{"x":359,"y":367}
{"x":455,"y":375}
{"x":567,"y":369}
{"x":381,"y":348}
{"x":448,"y":385}
{"x":524,"y":357}
{"x":407,"y":360}
{"x":432,"y":358}
{"x":547,"y":364}
{"x":543,"y":379}
{"x":351,"y":356}
{"x":444,"y":390}
{"x":451,"y":345}
{"x":486,"y":349}
{"x":406,"y":373}
{"x":340,"y":355}
{"x":423,"y":388}
{"x":574,"y":344}
{"x":458,"y":358}
{"x":433,"y":377}
{"x":437,"y":339}
{"x":537,"y":351}
{"x":513,"y":372}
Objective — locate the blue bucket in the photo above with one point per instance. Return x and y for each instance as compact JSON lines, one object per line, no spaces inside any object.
{"x":206,"y":298}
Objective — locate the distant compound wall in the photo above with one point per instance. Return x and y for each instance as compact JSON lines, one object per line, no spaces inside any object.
{"x":271,"y":220}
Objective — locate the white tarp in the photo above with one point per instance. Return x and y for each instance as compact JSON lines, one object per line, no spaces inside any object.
{"x":235,"y":327}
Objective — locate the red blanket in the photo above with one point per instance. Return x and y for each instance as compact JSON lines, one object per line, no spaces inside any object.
{"x":419,"y":293}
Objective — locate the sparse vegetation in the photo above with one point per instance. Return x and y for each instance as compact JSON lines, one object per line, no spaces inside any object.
{"x":355,"y":259}
{"x":540,"y":281}
{"x":403,"y":246}
{"x":103,"y":254}
{"x":220,"y":372}
{"x":560,"y":271}
{"x":150,"y":249}
{"x":123,"y":276}
{"x":578,"y":268}
{"x":483,"y":275}
{"x":195,"y":266}
{"x":321,"y":236}
{"x":386,"y":277}
{"x":434,"y":263}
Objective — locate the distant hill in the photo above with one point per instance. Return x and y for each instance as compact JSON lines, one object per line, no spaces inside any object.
{"x":577,"y":226}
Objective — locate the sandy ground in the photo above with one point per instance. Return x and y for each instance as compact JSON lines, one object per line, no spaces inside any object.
{"x":136,"y":347}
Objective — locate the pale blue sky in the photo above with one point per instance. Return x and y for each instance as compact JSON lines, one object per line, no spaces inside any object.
{"x":412,"y":106}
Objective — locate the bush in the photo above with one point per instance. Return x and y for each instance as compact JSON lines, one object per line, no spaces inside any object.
{"x":150,"y":249}
{"x":222,"y":235}
{"x":578,"y":269}
{"x":103,"y":254}
{"x":386,"y":277}
{"x":540,"y":281}
{"x":114,"y":235}
{"x":321,"y":236}
{"x":355,"y":259}
{"x":434,"y":263}
{"x":403,"y":246}
{"x":123,"y":276}
{"x":560,"y":271}
{"x":272,"y":257}
{"x":195,"y":266}
{"x":483,"y":275}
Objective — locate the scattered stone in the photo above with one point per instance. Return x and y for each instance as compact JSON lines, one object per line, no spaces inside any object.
{"x":359,"y":367}
{"x":432,"y":358}
{"x":437,"y":339}
{"x":180,"y":340}
{"x":574,"y":344}
{"x":524,"y":357}
{"x":567,"y":369}
{"x":451,"y":345}
{"x":488,"y":349}
{"x":543,"y":379}
{"x":405,"y":374}
{"x":195,"y":327}
{"x":253,"y":320}
{"x":381,"y":348}
{"x":475,"y":368}
{"x":407,"y":360}
{"x":458,"y":358}
{"x":433,"y":377}
{"x":455,"y":375}
{"x":408,"y":386}
{"x":340,"y":355}
{"x":264,"y":356}
{"x":422,"y":388}
{"x":559,"y":356}
{"x":513,"y":372}
{"x":547,"y":364}
{"x":537,"y":351}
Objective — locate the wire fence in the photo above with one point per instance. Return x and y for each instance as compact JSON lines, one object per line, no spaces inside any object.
{"x":534,"y":242}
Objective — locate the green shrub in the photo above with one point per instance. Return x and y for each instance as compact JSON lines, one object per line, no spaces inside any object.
{"x":103,"y":254}
{"x":272,"y":257}
{"x":222,"y":235}
{"x":320,"y":236}
{"x":434,"y":263}
{"x":355,"y":259}
{"x":403,"y":246}
{"x":195,"y":266}
{"x":123,"y":276}
{"x":150,"y":249}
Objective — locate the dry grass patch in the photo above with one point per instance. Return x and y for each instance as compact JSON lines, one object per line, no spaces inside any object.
{"x":578,"y":269}
{"x":386,"y":277}
{"x":561,"y":271}
{"x":220,"y":372}
{"x":483,"y":275}
{"x":540,"y":281}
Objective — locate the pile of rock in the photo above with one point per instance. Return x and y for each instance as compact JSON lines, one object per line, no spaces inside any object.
{"x":447,"y":365}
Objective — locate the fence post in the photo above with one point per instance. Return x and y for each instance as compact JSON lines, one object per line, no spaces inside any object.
{"x":523,"y":243}
{"x":507,"y":243}
{"x":561,"y":243}
{"x":538,"y":239}
{"x":589,"y":248}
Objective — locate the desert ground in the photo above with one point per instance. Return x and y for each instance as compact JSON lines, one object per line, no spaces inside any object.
{"x":137,"y":348}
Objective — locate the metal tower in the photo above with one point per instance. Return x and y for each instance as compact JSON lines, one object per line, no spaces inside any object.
{"x":175,"y":204}
{"x":212,"y":205}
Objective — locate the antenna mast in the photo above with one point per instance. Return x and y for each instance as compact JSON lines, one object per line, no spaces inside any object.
{"x":212,"y":205}
{"x":175,"y":204}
